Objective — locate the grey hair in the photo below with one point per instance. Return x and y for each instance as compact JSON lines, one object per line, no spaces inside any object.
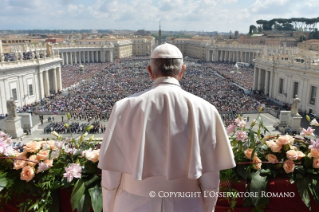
{"x":166,"y":66}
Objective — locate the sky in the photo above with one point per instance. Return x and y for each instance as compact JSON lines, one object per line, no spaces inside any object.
{"x":175,"y":15}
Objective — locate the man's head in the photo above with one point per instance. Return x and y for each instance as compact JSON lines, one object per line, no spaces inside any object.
{"x":166,"y":60}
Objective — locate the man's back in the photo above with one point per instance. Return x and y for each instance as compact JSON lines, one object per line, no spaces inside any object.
{"x":181,"y":127}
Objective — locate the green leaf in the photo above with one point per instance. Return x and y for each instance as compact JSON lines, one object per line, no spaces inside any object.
{"x":314,"y":188}
{"x":251,"y":136}
{"x":3,"y":181}
{"x":265,"y":172}
{"x":54,"y":207}
{"x":253,"y":153}
{"x":257,"y":185}
{"x":77,"y":192}
{"x":84,"y":204}
{"x":90,"y":167}
{"x":302,"y":185}
{"x":243,"y":171}
{"x":94,"y":179}
{"x":96,"y":198}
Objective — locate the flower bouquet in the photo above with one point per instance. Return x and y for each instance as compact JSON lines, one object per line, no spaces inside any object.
{"x":260,"y":158}
{"x":35,"y":172}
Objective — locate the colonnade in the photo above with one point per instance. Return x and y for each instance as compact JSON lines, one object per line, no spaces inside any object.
{"x":234,"y":56}
{"x":263,"y":81}
{"x":50,"y":80}
{"x":87,"y":56}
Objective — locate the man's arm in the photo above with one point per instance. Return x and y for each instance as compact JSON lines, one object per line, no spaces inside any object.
{"x":110,"y":183}
{"x":209,"y":183}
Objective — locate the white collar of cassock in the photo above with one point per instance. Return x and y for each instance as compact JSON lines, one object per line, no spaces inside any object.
{"x":165,"y":80}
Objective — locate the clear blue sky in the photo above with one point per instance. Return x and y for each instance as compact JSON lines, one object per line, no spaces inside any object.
{"x":200,"y":15}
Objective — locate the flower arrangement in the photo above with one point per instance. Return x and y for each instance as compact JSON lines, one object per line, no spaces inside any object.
{"x":37,"y":170}
{"x":260,"y":158}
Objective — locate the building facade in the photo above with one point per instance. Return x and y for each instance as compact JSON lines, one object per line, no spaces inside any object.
{"x":28,"y":81}
{"x":282,"y":78}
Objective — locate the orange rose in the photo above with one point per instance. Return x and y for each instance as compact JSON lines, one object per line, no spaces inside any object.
{"x":289,"y":166}
{"x":314,"y":153}
{"x":27,"y":173}
{"x":272,"y":158}
{"x":33,"y":146}
{"x":300,"y":155}
{"x":274,"y":146}
{"x":18,"y":164}
{"x":292,"y":155}
{"x":49,"y":163}
{"x":315,"y":163}
{"x":257,"y":163}
{"x":248,"y":153}
{"x":33,"y":158}
{"x":52,"y":145}
{"x":286,"y":139}
{"x":43,"y":154}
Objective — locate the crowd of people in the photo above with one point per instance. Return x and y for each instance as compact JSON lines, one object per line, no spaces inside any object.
{"x":102,"y":84}
{"x":21,"y":56}
{"x":243,"y":76}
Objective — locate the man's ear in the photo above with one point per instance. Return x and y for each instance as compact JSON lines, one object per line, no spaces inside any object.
{"x":150,"y":72}
{"x":182,"y":72}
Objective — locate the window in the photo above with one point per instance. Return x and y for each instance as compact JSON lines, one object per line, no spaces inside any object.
{"x":296,"y":85}
{"x":281,"y":85}
{"x":313,"y":93}
{"x":30,"y":90}
{"x":14,"y":94}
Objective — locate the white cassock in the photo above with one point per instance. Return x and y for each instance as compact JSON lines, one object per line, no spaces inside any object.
{"x":164,"y":140}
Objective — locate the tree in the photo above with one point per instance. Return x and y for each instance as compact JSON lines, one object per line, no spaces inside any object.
{"x":252,"y":29}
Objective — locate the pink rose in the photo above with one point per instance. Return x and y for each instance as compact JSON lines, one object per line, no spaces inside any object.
{"x":27,"y":173}
{"x":257,"y":163}
{"x":43,"y":154}
{"x":42,"y":167}
{"x":272,"y":158}
{"x":300,"y":155}
{"x":289,"y":166}
{"x":315,"y":163}
{"x":286,"y":139}
{"x":248,"y":153}
{"x":237,"y":120}
{"x":33,"y":146}
{"x":292,"y":155}
{"x":33,"y":158}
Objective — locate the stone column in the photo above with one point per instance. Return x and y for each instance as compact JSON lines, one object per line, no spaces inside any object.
{"x":267,"y":82}
{"x":304,"y":99}
{"x":59,"y":78}
{"x":80,"y":58}
{"x":225,"y":58}
{"x":75,"y":58}
{"x":71,"y":58}
{"x":111,"y":55}
{"x":61,"y":55}
{"x":3,"y":98}
{"x":255,"y":78}
{"x":92,"y":57}
{"x":46,"y":83}
{"x":66,"y":58}
{"x":259,"y":79}
{"x":289,"y":90}
{"x":83,"y":57}
{"x":54,"y":80}
{"x":41,"y":85}
{"x":97,"y":56}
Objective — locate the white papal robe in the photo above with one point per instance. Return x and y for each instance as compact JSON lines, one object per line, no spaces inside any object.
{"x":164,"y":140}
